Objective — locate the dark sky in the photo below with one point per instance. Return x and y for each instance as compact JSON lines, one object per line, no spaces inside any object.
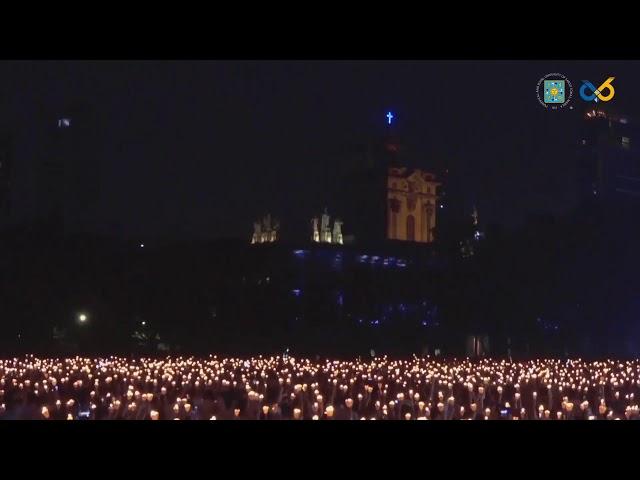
{"x":200,"y":148}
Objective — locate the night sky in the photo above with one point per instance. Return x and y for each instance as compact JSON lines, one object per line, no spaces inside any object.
{"x":199,"y":149}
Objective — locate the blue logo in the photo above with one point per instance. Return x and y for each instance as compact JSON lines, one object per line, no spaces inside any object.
{"x":595,"y":94}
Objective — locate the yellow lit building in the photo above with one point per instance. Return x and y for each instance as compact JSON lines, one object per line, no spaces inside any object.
{"x":411,"y":205}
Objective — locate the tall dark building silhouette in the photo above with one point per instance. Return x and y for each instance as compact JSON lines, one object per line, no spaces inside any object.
{"x":608,"y":157}
{"x":380,"y":192}
{"x":68,"y":188}
{"x":6,"y":164}
{"x":361,"y":199}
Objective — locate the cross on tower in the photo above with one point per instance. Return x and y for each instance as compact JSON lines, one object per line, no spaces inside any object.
{"x":389,"y":117}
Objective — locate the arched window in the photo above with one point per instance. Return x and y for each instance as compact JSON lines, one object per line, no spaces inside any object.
{"x":394,"y":208}
{"x":428,"y":222}
{"x":411,"y":228}
{"x":425,"y":225}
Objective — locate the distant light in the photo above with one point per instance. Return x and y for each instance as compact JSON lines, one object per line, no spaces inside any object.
{"x":82,"y":318}
{"x":623,"y":120}
{"x":441,"y":206}
{"x":389,"y":117}
{"x":64,"y":123}
{"x":144,"y":323}
{"x":142,"y":245}
{"x":296,"y":292}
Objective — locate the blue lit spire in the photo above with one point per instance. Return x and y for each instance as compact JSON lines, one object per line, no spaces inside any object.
{"x":390,"y":117}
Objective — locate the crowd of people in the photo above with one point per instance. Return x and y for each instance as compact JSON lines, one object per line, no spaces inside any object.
{"x":288,"y":388}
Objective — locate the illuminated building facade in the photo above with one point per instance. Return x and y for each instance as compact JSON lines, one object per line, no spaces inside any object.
{"x":324,"y":233}
{"x":266,"y":230}
{"x":411,"y":205}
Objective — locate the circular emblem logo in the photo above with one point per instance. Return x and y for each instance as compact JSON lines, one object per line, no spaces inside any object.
{"x":554,"y":91}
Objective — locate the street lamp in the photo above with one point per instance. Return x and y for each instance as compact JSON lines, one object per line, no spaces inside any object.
{"x":82,"y":318}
